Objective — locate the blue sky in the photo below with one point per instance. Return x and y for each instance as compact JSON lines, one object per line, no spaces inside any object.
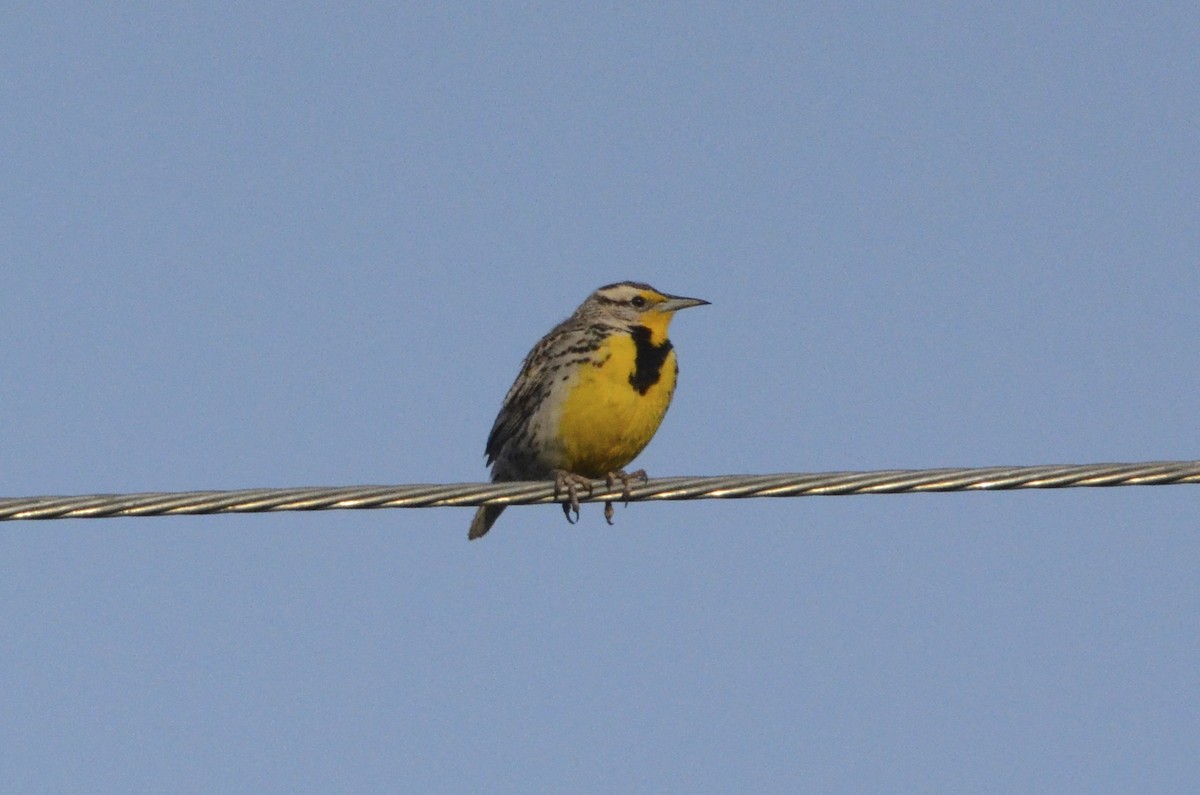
{"x":296,"y":245}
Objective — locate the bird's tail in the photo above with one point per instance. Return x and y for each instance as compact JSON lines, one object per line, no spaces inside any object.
{"x":485,"y":517}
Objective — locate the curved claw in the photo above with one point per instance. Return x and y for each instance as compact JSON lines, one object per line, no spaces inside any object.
{"x":570,"y":482}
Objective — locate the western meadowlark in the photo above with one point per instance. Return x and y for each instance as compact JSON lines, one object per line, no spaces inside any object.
{"x":589,"y":397}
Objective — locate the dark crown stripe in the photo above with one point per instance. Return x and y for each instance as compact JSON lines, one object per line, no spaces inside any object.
{"x":637,"y":285}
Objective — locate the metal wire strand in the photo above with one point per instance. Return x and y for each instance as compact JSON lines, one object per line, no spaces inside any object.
{"x":895,"y":481}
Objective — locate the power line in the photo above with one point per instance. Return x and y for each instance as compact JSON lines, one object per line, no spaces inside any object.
{"x":894,"y":481}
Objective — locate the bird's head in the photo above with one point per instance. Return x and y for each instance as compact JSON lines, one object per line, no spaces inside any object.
{"x":636,"y":304}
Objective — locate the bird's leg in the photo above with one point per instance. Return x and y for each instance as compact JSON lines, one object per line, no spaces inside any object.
{"x":570,"y":483}
{"x":625,"y":477}
{"x":611,"y":479}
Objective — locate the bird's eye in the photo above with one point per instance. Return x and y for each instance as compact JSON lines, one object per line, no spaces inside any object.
{"x":637,"y":301}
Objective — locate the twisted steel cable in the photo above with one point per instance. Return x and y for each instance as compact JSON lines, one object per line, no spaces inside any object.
{"x":894,"y":481}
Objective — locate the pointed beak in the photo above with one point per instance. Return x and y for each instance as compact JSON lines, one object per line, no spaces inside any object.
{"x":676,"y":302}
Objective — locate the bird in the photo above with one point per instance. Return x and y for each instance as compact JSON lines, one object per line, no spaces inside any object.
{"x":589,"y":397}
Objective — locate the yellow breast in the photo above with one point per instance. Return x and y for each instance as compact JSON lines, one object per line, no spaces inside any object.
{"x":612,"y":411}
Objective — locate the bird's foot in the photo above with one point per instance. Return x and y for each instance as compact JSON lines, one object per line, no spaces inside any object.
{"x":570,"y":483}
{"x":625,"y":477}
